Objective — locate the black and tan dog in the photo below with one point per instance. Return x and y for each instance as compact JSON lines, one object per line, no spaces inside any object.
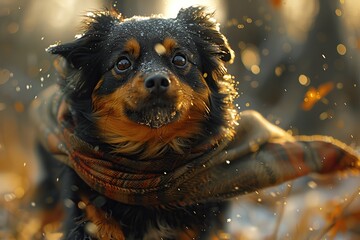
{"x":145,"y":89}
{"x":143,"y":128}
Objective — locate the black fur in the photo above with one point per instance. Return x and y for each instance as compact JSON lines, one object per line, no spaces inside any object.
{"x":89,"y":58}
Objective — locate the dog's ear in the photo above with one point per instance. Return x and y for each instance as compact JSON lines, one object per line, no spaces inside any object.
{"x":79,"y":60}
{"x":81,"y":51}
{"x":203,"y":26}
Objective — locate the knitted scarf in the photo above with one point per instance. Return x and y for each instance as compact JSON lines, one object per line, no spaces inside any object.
{"x":260,"y":155}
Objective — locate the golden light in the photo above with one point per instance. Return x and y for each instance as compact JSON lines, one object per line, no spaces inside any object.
{"x":172,"y":7}
{"x":297,"y":22}
{"x":255,"y":69}
{"x":314,"y":95}
{"x":341,"y":49}
{"x":250,"y":57}
{"x":338,"y":12}
{"x":279,"y":70}
{"x":56,"y":14}
{"x":304,"y":80}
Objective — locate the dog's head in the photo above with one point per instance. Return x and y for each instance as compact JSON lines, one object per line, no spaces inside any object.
{"x":148,"y":85}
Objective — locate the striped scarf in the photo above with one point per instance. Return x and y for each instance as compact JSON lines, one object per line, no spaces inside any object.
{"x":260,"y":155}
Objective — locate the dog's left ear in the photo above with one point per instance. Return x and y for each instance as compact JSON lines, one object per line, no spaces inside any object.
{"x":204,"y":26}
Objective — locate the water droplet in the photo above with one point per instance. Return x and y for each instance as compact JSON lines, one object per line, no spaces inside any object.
{"x":338,"y":12}
{"x":325,"y":66}
{"x":2,"y":107}
{"x":13,"y":27}
{"x":68,"y":203}
{"x":304,"y":80}
{"x":160,"y":49}
{"x":324,"y":116}
{"x":9,"y":197}
{"x":341,"y":49}
{"x":5,"y":75}
{"x":81,"y":205}
{"x":91,"y":228}
{"x":255,"y":69}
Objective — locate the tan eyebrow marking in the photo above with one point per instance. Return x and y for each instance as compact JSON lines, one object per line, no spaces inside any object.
{"x":169,"y":44}
{"x":132,"y":46}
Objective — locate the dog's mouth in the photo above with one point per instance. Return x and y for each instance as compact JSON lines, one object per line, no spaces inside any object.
{"x":154,"y":115}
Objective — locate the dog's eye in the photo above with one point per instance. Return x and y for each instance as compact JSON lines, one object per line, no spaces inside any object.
{"x":179,"y":60}
{"x":122,"y":65}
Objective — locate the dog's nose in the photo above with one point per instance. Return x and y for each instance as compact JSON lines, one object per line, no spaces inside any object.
{"x":157,"y":84}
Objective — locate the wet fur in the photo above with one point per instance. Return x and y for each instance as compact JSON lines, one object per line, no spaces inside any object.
{"x":97,"y":103}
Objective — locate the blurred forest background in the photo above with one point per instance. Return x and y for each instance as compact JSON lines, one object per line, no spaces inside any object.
{"x":297,"y":63}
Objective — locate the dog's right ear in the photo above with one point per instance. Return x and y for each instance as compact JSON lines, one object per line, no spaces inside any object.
{"x":83,"y":50}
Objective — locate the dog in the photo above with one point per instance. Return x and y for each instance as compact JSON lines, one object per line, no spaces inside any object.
{"x":144,"y":89}
{"x":140,"y":138}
